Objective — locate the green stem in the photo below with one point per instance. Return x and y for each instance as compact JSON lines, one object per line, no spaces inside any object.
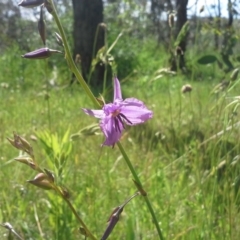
{"x":87,"y":231}
{"x":93,"y":54}
{"x":106,"y":61}
{"x":70,"y":60}
{"x":137,"y":180}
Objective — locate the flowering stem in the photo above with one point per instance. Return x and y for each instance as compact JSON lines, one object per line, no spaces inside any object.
{"x":78,"y":75}
{"x":69,"y":58}
{"x":140,"y":187}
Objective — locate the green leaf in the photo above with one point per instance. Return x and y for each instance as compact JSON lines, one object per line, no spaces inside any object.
{"x":207,"y":59}
{"x":182,"y":34}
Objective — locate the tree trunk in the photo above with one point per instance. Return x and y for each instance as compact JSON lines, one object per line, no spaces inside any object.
{"x":88,"y":14}
{"x":181,"y":6}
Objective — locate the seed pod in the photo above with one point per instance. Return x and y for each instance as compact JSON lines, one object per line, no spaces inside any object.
{"x":30,"y":3}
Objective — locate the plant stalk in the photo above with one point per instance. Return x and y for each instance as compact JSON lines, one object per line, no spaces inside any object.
{"x":137,"y":180}
{"x":87,"y":231}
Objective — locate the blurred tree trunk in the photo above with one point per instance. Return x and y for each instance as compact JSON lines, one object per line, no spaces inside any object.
{"x":157,"y":8}
{"x":179,"y":61}
{"x":88,"y":14}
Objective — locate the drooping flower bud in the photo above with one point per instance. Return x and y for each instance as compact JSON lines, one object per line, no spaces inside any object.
{"x":48,"y":6}
{"x":30,"y":3}
{"x":115,"y":215}
{"x":42,"y":27}
{"x":112,"y":221}
{"x":40,"y":53}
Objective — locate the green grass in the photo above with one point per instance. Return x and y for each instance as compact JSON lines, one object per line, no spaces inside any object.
{"x":193,"y":194}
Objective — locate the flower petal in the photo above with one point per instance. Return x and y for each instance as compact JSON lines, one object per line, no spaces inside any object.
{"x":111,"y":131}
{"x":94,"y":113}
{"x":135,"y":111}
{"x":117,"y":90}
{"x":133,"y":102}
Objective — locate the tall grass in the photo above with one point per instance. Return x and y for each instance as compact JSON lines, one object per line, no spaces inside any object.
{"x":190,"y":173}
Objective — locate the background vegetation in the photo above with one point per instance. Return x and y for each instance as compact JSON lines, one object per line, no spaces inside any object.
{"x":187,"y":156}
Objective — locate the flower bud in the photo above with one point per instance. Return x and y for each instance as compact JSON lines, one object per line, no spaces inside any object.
{"x":41,"y":181}
{"x":115,"y":215}
{"x":26,"y":145}
{"x":42,"y":27}
{"x":30,"y":3}
{"x":112,"y":221}
{"x":40,"y":53}
{"x":21,"y":144}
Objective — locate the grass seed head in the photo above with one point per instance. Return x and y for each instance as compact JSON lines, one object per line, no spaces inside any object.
{"x":186,"y":88}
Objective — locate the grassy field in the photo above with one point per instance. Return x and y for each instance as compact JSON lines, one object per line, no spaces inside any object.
{"x":190,"y":173}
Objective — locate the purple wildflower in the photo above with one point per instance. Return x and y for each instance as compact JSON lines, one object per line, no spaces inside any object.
{"x":130,"y":111}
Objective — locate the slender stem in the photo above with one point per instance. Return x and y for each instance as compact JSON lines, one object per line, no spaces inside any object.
{"x":70,"y":60}
{"x":93,"y":54}
{"x":106,"y":61}
{"x":87,"y":231}
{"x":137,"y":180}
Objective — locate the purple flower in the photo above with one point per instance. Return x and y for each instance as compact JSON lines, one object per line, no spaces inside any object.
{"x":114,"y":116}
